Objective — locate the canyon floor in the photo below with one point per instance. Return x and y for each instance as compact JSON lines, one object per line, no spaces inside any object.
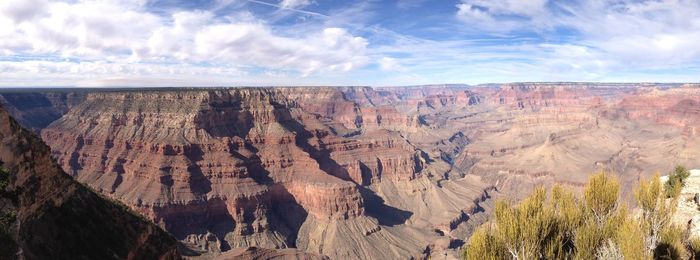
{"x":353,"y":172}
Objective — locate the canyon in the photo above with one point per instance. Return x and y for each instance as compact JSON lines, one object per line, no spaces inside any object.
{"x":45,"y":214}
{"x":352,"y":172}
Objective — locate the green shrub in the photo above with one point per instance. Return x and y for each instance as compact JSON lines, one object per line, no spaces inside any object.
{"x":7,"y":218}
{"x":483,"y":245}
{"x":600,"y":196}
{"x":676,"y":181}
{"x":4,"y":178}
{"x":562,"y":226}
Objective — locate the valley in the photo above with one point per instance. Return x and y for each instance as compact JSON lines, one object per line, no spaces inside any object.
{"x":353,"y":172}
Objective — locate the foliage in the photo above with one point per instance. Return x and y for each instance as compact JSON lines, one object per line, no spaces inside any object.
{"x":600,"y":196}
{"x":588,"y":238}
{"x":630,"y":239}
{"x":656,"y":210}
{"x":483,"y":245}
{"x":676,"y":181}
{"x":523,"y":229}
{"x":7,"y":218}
{"x":671,"y":244}
{"x":4,"y":178}
{"x":608,"y":251}
{"x":594,"y":226}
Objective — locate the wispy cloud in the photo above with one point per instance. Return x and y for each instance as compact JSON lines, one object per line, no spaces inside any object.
{"x":292,"y":42}
{"x":133,"y":38}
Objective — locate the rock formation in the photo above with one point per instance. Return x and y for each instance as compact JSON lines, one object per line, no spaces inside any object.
{"x":688,"y":212}
{"x":53,"y":216}
{"x":359,"y":172}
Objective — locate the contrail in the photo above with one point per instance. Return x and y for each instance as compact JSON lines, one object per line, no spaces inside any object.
{"x":290,"y":9}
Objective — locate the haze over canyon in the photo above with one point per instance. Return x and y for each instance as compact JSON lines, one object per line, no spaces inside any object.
{"x":352,"y":172}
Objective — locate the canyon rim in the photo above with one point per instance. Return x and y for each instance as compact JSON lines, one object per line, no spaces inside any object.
{"x":353,"y":172}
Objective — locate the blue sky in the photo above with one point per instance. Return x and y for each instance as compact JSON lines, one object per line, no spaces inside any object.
{"x":330,"y":42}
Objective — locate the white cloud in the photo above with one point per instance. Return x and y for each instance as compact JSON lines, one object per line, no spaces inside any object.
{"x":527,"y":8}
{"x":648,"y":33}
{"x":604,"y":35}
{"x":502,"y":16}
{"x":333,"y":49}
{"x":109,"y":41}
{"x":390,"y":64}
{"x":21,"y":11}
{"x":123,"y":33}
{"x":472,"y":12}
{"x":294,"y":4}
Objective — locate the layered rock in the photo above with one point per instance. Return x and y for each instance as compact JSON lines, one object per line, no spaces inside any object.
{"x":56,"y":216}
{"x":346,"y":172}
{"x":677,"y":107}
{"x":251,"y":253}
{"x":37,"y":110}
{"x":227,"y":163}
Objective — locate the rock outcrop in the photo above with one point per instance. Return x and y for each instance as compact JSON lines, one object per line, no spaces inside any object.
{"x":222,"y":169}
{"x":348,"y":172}
{"x":688,"y":212}
{"x":56,"y":217}
{"x":37,"y":110}
{"x":251,"y":253}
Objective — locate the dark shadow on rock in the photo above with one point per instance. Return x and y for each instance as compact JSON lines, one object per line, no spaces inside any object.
{"x":322,"y":156}
{"x":74,"y":161}
{"x":166,"y":177}
{"x":374,"y":205}
{"x":385,"y":214}
{"x":208,"y":216}
{"x":455,"y":244}
{"x":288,"y":211}
{"x":366,"y":174}
{"x":199,"y":184}
{"x":119,"y":170}
{"x":254,"y":166}
{"x":224,"y":117}
{"x":221,"y":221}
{"x":34,"y":110}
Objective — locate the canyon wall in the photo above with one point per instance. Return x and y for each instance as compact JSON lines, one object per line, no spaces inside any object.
{"x":52,"y":215}
{"x":357,"y":172}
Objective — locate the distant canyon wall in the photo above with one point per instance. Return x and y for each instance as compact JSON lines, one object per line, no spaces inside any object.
{"x":351,"y":171}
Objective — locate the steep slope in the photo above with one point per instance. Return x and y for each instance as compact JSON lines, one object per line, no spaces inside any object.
{"x":359,"y":172}
{"x":57,"y":217}
{"x":275,"y":168}
{"x":37,"y":110}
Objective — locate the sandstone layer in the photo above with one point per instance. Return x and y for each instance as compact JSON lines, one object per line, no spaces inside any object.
{"x":359,"y":172}
{"x":56,"y":217}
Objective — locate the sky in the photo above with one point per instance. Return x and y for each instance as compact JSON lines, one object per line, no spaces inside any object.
{"x":95,"y":43}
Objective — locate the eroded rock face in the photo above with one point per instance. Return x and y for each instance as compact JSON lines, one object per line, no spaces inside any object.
{"x":58,"y":217}
{"x":37,"y":110}
{"x":677,"y":107}
{"x":262,"y":253}
{"x":347,"y":172}
{"x":688,"y":212}
{"x":249,"y":166}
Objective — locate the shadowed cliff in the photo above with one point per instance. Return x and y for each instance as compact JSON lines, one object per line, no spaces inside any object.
{"x":48,"y":215}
